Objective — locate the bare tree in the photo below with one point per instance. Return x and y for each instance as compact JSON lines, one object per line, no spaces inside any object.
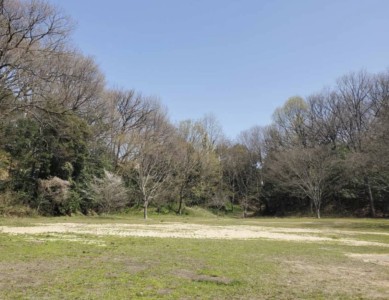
{"x":380,"y":93}
{"x":153,"y":156}
{"x":253,"y":140}
{"x":354,"y":108}
{"x":355,"y":111}
{"x":304,"y":172}
{"x":323,"y":124}
{"x":376,"y":154}
{"x":78,"y":85}
{"x":31,"y":32}
{"x":126,"y":113}
{"x":213,"y":132}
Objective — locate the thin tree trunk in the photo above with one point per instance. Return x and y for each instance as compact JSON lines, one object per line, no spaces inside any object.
{"x":181,"y":200}
{"x":233,"y":196}
{"x":316,"y":201}
{"x":371,"y":199}
{"x":245,"y":210}
{"x":146,"y":204}
{"x":232,"y":202}
{"x":180,"y":206}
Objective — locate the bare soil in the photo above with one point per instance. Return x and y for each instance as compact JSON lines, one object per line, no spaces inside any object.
{"x":195,"y":231}
{"x":348,"y":277}
{"x":378,"y":259}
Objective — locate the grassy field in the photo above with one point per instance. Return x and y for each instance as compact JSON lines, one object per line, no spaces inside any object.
{"x":87,"y":266}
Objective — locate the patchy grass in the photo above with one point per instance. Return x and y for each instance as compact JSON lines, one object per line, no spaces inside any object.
{"x":198,"y":212}
{"x":86,"y":266}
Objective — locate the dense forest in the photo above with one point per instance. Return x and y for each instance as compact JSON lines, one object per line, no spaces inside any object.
{"x":69,"y":144}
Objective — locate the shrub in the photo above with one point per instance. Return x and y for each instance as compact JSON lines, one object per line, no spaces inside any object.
{"x":108,"y":193}
{"x":11,"y":206}
{"x":53,"y":196}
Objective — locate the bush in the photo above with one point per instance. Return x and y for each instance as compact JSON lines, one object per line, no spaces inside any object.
{"x":10,"y":206}
{"x":54,"y":197}
{"x":108,"y":193}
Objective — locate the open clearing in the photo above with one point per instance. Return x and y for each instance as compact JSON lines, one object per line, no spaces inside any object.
{"x":197,"y":231}
{"x":184,"y":258}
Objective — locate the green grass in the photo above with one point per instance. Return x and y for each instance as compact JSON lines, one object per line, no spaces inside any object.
{"x":48,"y":267}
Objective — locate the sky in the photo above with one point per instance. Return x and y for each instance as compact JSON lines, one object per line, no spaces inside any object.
{"x":238,"y":60}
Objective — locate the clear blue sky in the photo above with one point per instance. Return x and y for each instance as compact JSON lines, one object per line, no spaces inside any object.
{"x":237,"y":59}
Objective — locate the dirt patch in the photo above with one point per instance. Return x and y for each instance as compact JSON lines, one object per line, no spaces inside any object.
{"x":164,"y":292}
{"x":347,"y":278}
{"x":202,"y":278}
{"x":30,"y":274}
{"x":126,"y":264}
{"x":195,"y":231}
{"x":378,"y":259}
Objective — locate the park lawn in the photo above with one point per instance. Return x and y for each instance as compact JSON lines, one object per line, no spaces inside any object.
{"x":51,"y":266}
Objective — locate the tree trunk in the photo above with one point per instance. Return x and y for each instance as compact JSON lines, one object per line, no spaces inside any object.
{"x":318,"y":213}
{"x":371,"y":199}
{"x":233,"y":198}
{"x":181,"y":202}
{"x":245,"y":211}
{"x":145,"y":205}
{"x":180,"y":207}
{"x":181,"y":199}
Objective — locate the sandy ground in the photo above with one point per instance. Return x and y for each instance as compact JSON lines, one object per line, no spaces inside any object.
{"x":195,"y":231}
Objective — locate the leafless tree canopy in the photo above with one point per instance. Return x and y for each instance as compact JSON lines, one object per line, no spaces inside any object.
{"x":32,"y":33}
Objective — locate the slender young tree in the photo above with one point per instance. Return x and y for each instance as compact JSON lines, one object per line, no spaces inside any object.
{"x":153,"y":158}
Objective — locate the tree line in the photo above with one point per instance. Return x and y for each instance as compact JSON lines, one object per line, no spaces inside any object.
{"x":69,"y":144}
